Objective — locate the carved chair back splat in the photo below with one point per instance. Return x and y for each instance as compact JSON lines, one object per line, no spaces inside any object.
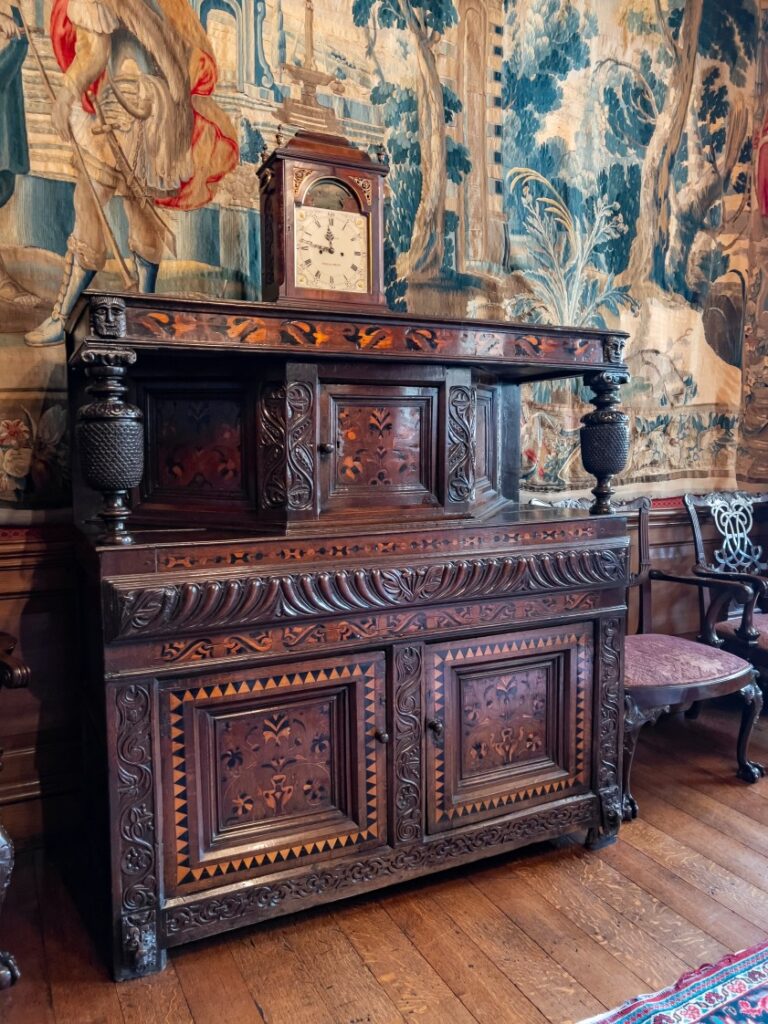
{"x":737,"y":557}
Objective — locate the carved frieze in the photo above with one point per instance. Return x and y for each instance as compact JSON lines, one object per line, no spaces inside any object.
{"x":361,"y":629}
{"x":134,"y":609}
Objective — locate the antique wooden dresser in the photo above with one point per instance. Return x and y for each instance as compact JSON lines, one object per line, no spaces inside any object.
{"x":329,"y":650}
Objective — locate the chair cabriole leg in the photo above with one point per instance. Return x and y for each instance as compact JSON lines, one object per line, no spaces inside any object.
{"x":749,"y":771}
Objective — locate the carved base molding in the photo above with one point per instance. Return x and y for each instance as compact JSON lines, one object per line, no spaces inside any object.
{"x":258,"y":902}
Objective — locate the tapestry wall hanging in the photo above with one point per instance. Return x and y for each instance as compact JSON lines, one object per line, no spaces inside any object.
{"x":582,"y":162}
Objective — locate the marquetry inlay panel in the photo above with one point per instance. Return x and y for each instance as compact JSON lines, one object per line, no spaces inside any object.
{"x":509,"y":725}
{"x":274,"y":768}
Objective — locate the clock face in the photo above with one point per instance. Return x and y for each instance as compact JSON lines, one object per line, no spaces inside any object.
{"x":332,"y":250}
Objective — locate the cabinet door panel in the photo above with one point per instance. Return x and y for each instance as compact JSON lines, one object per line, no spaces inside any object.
{"x":272,"y":768}
{"x":509,"y":723}
{"x":380,"y":445}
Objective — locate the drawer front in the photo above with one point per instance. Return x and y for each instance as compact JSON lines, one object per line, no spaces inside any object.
{"x":272,"y":768}
{"x":509,"y":723}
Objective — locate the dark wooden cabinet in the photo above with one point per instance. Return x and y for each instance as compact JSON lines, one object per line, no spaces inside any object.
{"x":329,"y":650}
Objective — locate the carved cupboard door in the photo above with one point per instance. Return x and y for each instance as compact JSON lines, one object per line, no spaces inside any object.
{"x":272,"y":768}
{"x":378,"y":446}
{"x":508,"y":722}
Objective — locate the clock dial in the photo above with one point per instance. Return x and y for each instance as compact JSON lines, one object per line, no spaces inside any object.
{"x":331,"y":250}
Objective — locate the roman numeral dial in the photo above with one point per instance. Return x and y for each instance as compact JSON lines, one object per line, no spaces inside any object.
{"x":331,"y":249}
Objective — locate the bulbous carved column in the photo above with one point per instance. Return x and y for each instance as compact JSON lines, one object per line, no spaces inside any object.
{"x":605,"y":436}
{"x":110,"y":437}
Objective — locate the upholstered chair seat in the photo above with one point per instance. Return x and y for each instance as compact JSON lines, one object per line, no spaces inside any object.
{"x":664,"y":661}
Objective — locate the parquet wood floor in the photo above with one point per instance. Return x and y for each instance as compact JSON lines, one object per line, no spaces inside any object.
{"x":551,"y":934}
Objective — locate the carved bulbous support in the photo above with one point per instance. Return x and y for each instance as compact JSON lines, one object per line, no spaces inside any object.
{"x":110,"y":438}
{"x":605,"y":436}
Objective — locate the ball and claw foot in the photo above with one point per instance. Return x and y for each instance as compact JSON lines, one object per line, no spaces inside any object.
{"x":751,"y":771}
{"x":629,"y":807}
{"x":9,"y":971}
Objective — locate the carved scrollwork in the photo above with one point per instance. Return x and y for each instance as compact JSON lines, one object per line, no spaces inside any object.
{"x":299,"y":469}
{"x":272,"y":446}
{"x":462,"y":445}
{"x":611,"y":703}
{"x":261,"y":901}
{"x":286,"y":444}
{"x":407,"y":745}
{"x":247,"y":600}
{"x":135,"y":828}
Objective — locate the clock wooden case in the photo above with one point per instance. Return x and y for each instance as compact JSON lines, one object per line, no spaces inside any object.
{"x":322,"y":212}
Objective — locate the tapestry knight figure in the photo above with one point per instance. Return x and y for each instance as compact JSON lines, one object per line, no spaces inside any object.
{"x":14,"y":152}
{"x":136,"y":106}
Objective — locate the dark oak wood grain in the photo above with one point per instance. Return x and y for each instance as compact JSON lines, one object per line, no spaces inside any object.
{"x":329,"y":650}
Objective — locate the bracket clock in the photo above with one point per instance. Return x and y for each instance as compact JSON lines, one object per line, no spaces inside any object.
{"x":322,"y":212}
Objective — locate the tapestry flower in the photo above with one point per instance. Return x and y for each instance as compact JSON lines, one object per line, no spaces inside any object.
{"x":14,"y":432}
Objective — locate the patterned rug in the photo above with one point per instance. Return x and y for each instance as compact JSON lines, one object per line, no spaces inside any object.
{"x":733,"y":991}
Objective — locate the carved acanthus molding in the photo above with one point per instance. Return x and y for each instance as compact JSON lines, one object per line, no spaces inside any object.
{"x":224,"y":602}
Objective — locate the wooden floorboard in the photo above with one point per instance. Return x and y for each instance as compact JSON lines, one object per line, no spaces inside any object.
{"x":551,"y":934}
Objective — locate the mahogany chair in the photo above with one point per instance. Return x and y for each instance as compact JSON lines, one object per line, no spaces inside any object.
{"x":665,"y":673}
{"x":738,"y":558}
{"x":13,"y":674}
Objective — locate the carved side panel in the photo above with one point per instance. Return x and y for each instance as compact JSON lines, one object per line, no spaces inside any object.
{"x":407,"y":730}
{"x":286,"y":446}
{"x":272,"y":431}
{"x":610,"y":711}
{"x":133,"y":812}
{"x":462,"y":443}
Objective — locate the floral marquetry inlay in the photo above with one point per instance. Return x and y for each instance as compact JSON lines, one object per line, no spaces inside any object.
{"x":274,"y":768}
{"x":274,"y":762}
{"x":379,"y":446}
{"x":503,"y":719}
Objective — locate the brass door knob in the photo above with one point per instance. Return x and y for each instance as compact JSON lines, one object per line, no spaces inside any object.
{"x":436,"y":725}
{"x":381,"y":736}
{"x":325,"y":448}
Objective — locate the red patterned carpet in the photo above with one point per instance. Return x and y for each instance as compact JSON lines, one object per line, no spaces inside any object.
{"x":733,"y":991}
